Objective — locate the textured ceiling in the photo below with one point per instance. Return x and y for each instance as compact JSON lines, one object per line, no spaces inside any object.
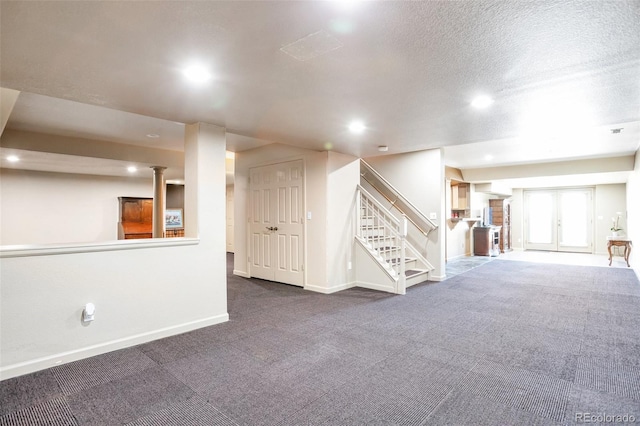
{"x":407,"y":69}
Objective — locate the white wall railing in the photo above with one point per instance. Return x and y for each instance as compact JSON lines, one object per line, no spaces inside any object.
{"x":396,"y":198}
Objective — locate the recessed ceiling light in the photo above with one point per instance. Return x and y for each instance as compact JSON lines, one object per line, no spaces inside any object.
{"x":197,"y":74}
{"x":13,"y":159}
{"x":132,"y":169}
{"x":488,"y":157}
{"x":481,"y":102}
{"x":153,"y":135}
{"x":356,"y":127}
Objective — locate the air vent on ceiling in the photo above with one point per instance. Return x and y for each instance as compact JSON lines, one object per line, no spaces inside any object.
{"x":616,"y":131}
{"x":313,"y":45}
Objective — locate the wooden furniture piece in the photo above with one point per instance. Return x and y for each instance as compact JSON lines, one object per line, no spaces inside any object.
{"x":460,"y":201}
{"x":619,"y":242}
{"x":136,"y":216}
{"x":501,"y":216}
{"x":174,"y":233}
{"x":486,"y":240}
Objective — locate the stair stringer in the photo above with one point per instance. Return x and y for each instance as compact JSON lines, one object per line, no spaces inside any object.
{"x":370,"y":271}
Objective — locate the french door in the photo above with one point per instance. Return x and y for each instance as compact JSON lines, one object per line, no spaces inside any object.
{"x":559,"y":220}
{"x":276,"y":222}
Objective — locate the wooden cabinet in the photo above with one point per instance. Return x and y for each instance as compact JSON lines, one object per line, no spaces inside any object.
{"x":460,"y":200}
{"x":135,"y":218}
{"x":486,"y":240}
{"x":501,"y":216}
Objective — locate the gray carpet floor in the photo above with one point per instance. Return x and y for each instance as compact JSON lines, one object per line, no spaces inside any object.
{"x":507,"y":343}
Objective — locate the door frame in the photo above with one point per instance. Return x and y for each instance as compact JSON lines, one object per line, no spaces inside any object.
{"x":556,"y":246}
{"x":249,"y":207}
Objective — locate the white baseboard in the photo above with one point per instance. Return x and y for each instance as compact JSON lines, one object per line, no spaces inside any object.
{"x":31,"y":366}
{"x":242,"y":274}
{"x":329,"y":290}
{"x":458,"y":256}
{"x":437,"y":277}
{"x":375,"y":286}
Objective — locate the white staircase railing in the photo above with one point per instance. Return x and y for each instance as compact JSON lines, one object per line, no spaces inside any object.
{"x":397,"y":200}
{"x":379,"y":230}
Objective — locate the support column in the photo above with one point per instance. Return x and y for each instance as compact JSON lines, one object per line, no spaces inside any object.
{"x":158,"y":201}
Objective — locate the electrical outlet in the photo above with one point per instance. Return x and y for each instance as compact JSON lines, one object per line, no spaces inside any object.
{"x":433,"y":216}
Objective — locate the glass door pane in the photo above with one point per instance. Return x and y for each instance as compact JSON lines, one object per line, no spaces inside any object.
{"x":541,"y":227}
{"x":574,"y":209}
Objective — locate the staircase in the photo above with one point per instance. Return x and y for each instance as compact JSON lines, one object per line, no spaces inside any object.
{"x":396,"y":201}
{"x":384,"y":237}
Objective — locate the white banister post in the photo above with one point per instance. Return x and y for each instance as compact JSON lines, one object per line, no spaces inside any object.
{"x":402,"y":279}
{"x":404,"y":226}
{"x":358,"y":212}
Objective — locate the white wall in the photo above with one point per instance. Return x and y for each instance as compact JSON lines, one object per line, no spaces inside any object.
{"x":329,"y":195}
{"x":140,"y":293}
{"x":557,"y":168}
{"x":609,"y":199}
{"x":47,"y":208}
{"x":420,"y":177}
{"x":633,"y":213}
{"x":343,"y":175}
{"x":315,"y":200}
{"x":479,"y":200}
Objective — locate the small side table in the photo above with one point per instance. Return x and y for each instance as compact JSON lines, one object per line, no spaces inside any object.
{"x":621,"y":242}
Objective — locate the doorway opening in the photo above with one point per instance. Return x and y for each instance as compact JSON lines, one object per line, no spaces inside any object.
{"x":559,"y":220}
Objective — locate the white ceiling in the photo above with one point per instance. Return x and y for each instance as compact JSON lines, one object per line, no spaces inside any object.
{"x":562,"y":73}
{"x":584,"y":143}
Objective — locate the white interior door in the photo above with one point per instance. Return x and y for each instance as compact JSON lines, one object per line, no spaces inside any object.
{"x":276,"y":222}
{"x":559,"y":220}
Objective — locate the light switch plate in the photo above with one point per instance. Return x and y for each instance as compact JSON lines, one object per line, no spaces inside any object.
{"x":433,"y":216}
